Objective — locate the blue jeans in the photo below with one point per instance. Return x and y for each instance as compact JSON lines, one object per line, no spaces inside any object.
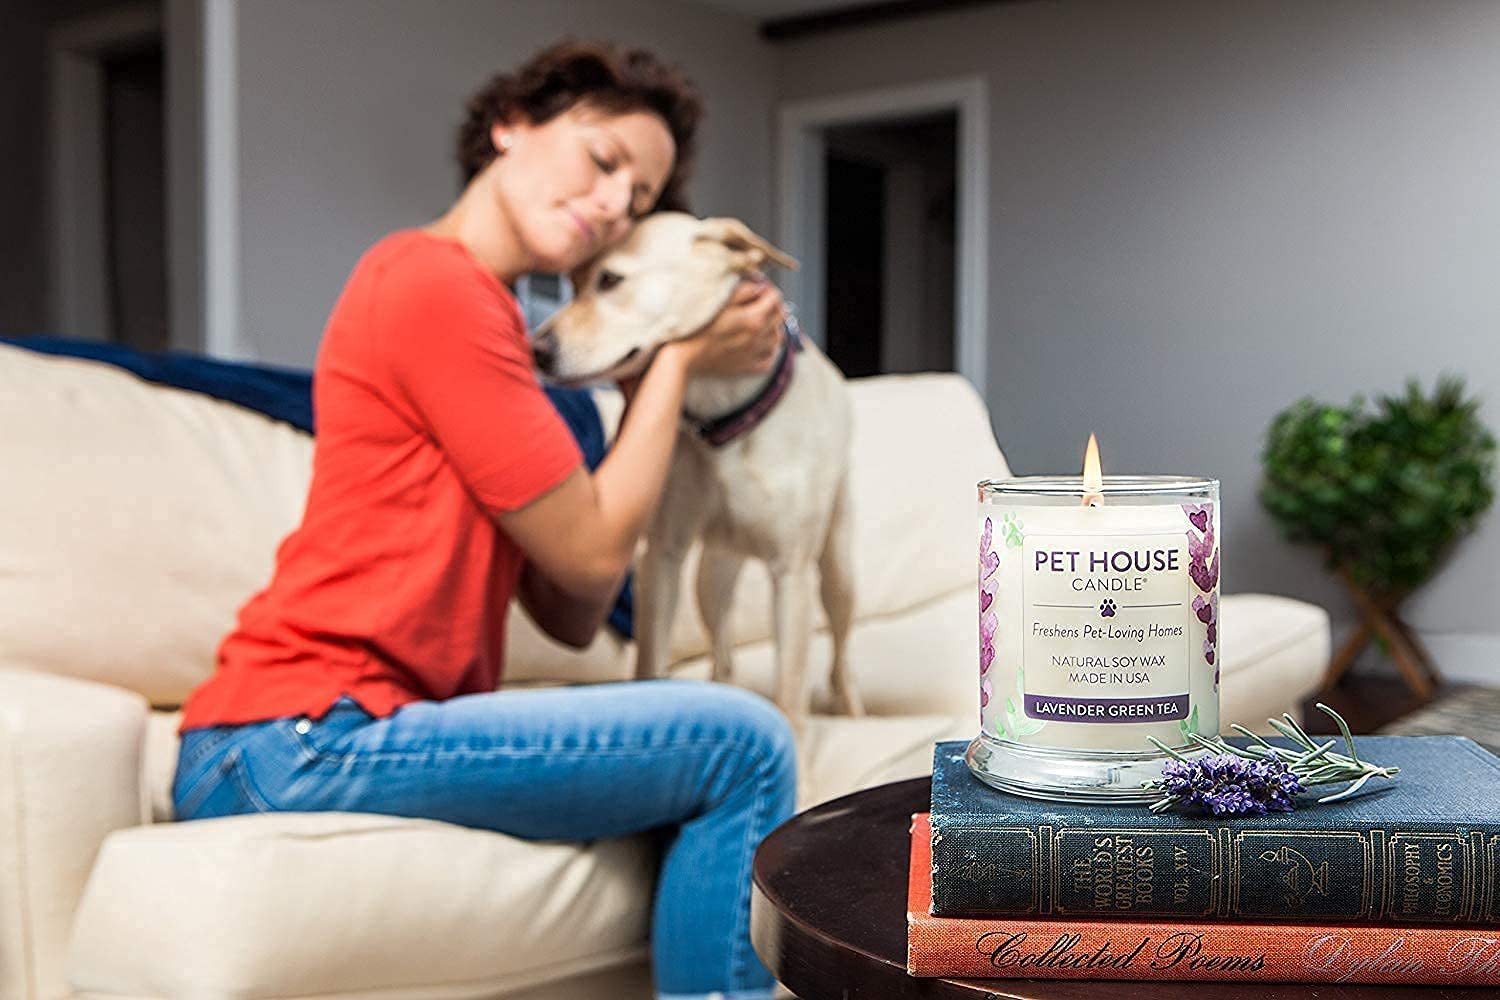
{"x":711,"y":764}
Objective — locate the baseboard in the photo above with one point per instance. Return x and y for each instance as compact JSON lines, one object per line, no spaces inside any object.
{"x":1468,"y":658}
{"x":1461,"y":657}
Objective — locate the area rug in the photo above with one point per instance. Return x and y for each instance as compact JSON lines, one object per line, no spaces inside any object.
{"x":1468,"y":711}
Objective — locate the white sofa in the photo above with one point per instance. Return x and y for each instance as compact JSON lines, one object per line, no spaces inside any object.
{"x":136,"y":519}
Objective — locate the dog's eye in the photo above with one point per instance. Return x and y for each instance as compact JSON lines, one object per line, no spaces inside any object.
{"x":608,"y":280}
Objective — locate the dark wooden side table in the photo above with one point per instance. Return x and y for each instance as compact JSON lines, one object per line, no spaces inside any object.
{"x":828,"y":917}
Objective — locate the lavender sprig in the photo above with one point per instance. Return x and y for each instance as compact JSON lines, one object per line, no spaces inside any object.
{"x":1261,"y":778}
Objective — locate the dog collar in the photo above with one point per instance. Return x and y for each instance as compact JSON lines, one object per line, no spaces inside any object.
{"x":719,"y":431}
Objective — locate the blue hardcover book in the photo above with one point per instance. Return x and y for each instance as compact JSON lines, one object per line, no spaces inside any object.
{"x":1423,"y":847}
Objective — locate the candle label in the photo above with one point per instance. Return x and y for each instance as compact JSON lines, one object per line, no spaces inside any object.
{"x":1105,"y":639}
{"x":1098,"y":627}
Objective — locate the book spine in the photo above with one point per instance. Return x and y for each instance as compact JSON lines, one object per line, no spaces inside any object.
{"x":1181,"y":950}
{"x":1410,"y":874}
{"x":1075,"y":949}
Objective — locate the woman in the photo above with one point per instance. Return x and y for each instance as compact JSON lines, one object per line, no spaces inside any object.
{"x":363,"y":677}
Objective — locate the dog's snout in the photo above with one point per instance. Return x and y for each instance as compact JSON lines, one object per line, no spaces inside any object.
{"x":544,"y":350}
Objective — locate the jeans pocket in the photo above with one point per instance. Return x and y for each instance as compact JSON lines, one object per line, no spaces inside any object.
{"x":192,"y":790}
{"x":238,"y":773}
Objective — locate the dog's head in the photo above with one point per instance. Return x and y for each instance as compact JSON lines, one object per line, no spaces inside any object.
{"x":666,"y":281}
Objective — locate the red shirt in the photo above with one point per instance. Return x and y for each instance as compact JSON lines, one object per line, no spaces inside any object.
{"x":430,"y":421}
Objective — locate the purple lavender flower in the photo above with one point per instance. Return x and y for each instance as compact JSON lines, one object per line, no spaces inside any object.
{"x":1227,"y":785}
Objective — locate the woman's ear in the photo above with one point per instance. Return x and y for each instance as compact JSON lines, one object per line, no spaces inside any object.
{"x":501,"y":137}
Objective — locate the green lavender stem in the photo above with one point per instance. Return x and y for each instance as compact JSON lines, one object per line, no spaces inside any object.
{"x":1313,"y":763}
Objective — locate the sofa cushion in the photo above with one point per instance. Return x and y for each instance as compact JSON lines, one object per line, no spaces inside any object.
{"x":148,"y":515}
{"x":839,"y":755}
{"x":306,"y":904}
{"x":242,"y":906}
{"x":1258,"y":626}
{"x":144,"y":518}
{"x":1275,"y":650}
{"x":920,"y":661}
{"x":69,"y":774}
{"x":159,"y":763}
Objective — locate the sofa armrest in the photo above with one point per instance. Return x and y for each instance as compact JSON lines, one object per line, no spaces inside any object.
{"x":70,"y":773}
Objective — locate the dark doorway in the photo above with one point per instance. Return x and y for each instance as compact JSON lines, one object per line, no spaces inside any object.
{"x":856,"y":255}
{"x":891,"y":245}
{"x":135,"y":196}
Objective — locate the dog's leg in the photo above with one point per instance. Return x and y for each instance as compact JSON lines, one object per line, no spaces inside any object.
{"x":679,"y":518}
{"x":717,"y":574}
{"x":836,"y":567}
{"x":656,"y":585}
{"x":793,"y":590}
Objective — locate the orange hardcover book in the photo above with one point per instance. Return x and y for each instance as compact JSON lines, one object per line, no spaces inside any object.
{"x":1159,"y":949}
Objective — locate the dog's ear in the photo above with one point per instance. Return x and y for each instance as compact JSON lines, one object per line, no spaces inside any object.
{"x":750,"y":250}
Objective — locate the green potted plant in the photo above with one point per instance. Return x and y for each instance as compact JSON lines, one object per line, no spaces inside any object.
{"x":1385,"y":492}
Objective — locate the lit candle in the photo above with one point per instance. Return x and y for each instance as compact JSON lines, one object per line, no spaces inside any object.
{"x":1098,"y":622}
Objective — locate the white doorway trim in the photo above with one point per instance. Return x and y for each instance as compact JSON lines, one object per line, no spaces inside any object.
{"x":801,"y":177}
{"x":221,"y":185}
{"x":76,"y":50}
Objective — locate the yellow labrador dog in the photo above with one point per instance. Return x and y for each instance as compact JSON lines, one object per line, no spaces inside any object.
{"x":760,"y":470}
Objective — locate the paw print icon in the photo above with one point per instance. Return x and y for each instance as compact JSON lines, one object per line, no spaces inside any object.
{"x":1107,"y":609}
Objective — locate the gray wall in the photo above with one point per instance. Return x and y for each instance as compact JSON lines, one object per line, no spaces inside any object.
{"x":347,"y":110}
{"x":1203,"y":211}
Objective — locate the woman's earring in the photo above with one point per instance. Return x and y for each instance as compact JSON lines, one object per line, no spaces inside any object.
{"x":506,"y":142}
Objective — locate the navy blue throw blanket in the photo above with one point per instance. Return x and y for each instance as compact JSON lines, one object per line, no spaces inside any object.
{"x":285,"y":394}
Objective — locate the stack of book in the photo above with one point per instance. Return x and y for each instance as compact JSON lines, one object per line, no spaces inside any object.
{"x":1397,"y":884}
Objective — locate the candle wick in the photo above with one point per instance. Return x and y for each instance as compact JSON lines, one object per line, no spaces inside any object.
{"x":1093,"y":500}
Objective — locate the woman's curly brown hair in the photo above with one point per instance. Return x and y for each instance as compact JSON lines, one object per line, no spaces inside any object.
{"x":601,"y":75}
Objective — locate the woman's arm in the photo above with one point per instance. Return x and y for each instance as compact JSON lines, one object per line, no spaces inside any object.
{"x":580,"y":537}
{"x":570,"y":621}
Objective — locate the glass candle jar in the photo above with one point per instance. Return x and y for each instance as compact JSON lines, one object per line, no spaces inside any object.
{"x":1098,"y":628}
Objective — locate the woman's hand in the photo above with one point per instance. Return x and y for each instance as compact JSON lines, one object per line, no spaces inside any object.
{"x":743,"y":339}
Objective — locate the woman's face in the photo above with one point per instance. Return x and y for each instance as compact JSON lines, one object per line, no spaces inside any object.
{"x":571,"y":186}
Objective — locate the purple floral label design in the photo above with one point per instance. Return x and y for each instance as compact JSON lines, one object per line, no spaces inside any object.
{"x":1203,"y":568}
{"x":1006,"y":721}
{"x":1207,"y":610}
{"x":989,"y":621}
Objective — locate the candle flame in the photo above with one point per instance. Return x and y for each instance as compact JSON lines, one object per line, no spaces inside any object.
{"x":1093,"y":475}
